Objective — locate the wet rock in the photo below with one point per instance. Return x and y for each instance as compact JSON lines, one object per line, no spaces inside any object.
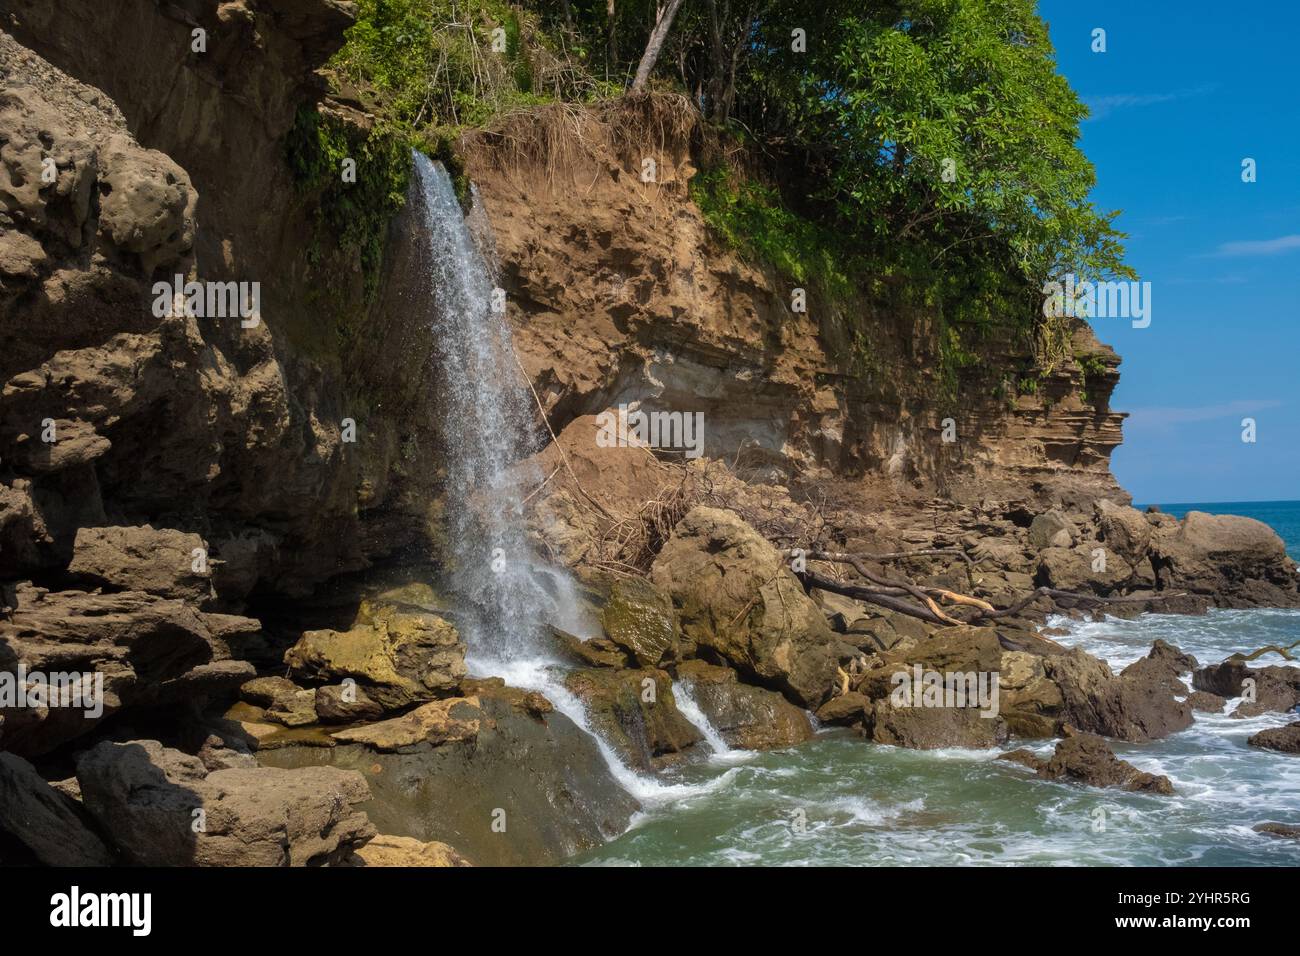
{"x":952,"y":656}
{"x":145,"y":796}
{"x":529,"y":788}
{"x":1284,"y":830}
{"x":930,"y":728}
{"x":1274,"y":689}
{"x":1206,"y":703}
{"x":399,"y":657}
{"x":736,"y":596}
{"x":746,"y":717}
{"x":46,"y":821}
{"x":593,"y":652}
{"x":1134,"y":708}
{"x":1086,"y":759}
{"x":634,"y":711}
{"x":1282,"y":739}
{"x":404,"y":851}
{"x":849,"y":709}
{"x":638,"y":618}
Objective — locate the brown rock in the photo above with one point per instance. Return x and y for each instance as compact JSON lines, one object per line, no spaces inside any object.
{"x":344,"y":703}
{"x":1282,"y":739}
{"x":736,"y":596}
{"x":404,"y":851}
{"x":1133,"y":708}
{"x":634,"y":711}
{"x":399,"y":657}
{"x":50,"y":824}
{"x":145,"y":797}
{"x":439,"y":722}
{"x":156,"y":561}
{"x":1205,"y":702}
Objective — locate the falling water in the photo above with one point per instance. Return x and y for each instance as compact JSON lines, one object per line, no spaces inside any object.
{"x":484,"y":426}
{"x":484,"y":423}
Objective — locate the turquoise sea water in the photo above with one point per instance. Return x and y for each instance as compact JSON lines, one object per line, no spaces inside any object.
{"x":1283,"y":516}
{"x":838,"y":800}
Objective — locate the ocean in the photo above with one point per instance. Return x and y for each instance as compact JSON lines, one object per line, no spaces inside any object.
{"x":839,"y":801}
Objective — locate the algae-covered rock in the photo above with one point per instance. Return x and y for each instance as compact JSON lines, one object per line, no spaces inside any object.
{"x":400,"y":657}
{"x":639,"y":619}
{"x":528,"y":788}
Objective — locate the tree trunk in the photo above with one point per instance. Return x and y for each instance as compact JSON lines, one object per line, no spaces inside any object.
{"x":657,"y":36}
{"x":611,"y":42}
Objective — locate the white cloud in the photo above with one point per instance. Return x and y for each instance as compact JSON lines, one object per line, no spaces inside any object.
{"x":1259,"y":247}
{"x":1157,"y":416}
{"x":1102,"y":106}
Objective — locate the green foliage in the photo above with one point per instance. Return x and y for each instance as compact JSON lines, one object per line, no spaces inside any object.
{"x":751,"y":218}
{"x":355,"y":213}
{"x":944,"y":124}
{"x":431,"y":63}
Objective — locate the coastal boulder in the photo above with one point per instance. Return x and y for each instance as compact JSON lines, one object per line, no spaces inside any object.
{"x":1282,"y":739}
{"x":1087,"y":759}
{"x":527,"y":787}
{"x":736,"y":597}
{"x":1136,"y":708}
{"x":1125,"y":531}
{"x":1273,"y":689}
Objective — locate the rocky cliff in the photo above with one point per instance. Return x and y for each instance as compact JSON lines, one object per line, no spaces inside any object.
{"x":619,"y":293}
{"x":183,"y":495}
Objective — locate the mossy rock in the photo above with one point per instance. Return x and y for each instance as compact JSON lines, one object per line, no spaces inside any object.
{"x":639,"y":619}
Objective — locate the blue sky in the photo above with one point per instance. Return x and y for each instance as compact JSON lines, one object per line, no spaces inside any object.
{"x":1184,"y":92}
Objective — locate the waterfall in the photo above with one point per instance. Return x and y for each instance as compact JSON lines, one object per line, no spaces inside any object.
{"x":484,"y":416}
{"x":484,"y":427}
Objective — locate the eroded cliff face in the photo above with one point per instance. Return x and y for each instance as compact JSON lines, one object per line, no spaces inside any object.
{"x":619,"y":294}
{"x":168,"y":160}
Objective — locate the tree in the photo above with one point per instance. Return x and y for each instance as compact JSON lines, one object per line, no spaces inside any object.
{"x":663,"y":21}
